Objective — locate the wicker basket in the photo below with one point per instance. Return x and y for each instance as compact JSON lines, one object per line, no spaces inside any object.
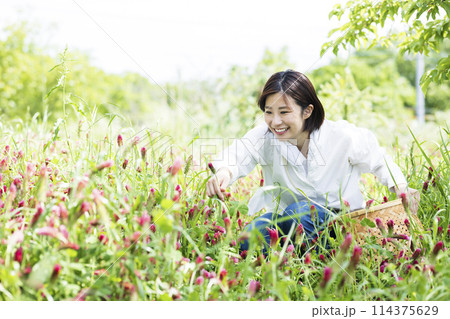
{"x":392,"y":210}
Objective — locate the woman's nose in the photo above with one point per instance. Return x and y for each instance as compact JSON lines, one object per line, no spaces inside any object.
{"x":276,"y":120}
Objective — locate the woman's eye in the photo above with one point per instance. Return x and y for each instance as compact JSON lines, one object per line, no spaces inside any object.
{"x":284,"y":112}
{"x":267,"y":112}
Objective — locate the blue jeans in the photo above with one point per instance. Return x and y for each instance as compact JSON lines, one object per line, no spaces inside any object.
{"x":295,"y":214}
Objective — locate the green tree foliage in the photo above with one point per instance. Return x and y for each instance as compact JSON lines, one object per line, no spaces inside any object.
{"x":26,"y":80}
{"x":389,"y":75}
{"x":426,"y":27}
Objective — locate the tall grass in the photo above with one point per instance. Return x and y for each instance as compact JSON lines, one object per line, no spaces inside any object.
{"x":84,"y":225}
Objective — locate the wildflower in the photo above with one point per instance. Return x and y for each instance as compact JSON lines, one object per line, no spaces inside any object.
{"x":85,"y":207}
{"x":176,"y":166}
{"x":99,"y":272}
{"x":206,"y":274}
{"x":404,"y":200}
{"x":12,"y":191}
{"x":299,"y":230}
{"x":346,"y":203}
{"x":385,"y":200}
{"x":56,"y":271}
{"x":313,"y":212}
{"x":18,"y":255}
{"x":346,"y":243}
{"x":327,"y":272}
{"x":176,"y":196}
{"x":369,"y":203}
{"x":63,"y":231}
{"x":104,"y":165}
{"x":136,"y":140}
{"x":143,"y":152}
{"x":425,"y":186}
{"x":416,"y":253}
{"x":102,"y":238}
{"x":273,"y":233}
{"x":261,"y":182}
{"x":211,"y":167}
{"x":199,"y":260}
{"x":290,"y":248}
{"x":119,"y":140}
{"x":254,"y":287}
{"x":153,"y":228}
{"x":308,"y":258}
{"x":357,"y":251}
{"x":380,"y":226}
{"x":227,"y":222}
{"x":407,"y":223}
{"x":430,"y":172}
{"x":219,"y":229}
{"x":233,"y":243}
{"x":437,"y":248}
{"x":125,"y":164}
{"x":401,"y":236}
{"x":37,"y":215}
{"x":199,"y":281}
{"x":239,"y":223}
{"x":390,"y":225}
{"x":47,"y":231}
{"x":222,"y":274}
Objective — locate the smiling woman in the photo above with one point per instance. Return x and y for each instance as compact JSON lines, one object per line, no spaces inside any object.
{"x":318,"y":161}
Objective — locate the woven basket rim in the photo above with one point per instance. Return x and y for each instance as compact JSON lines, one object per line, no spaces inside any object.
{"x":360,"y":212}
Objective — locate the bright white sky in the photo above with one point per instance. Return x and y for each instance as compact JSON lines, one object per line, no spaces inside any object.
{"x":176,"y":39}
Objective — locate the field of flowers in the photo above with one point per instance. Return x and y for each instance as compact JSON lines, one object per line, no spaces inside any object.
{"x":124,"y":219}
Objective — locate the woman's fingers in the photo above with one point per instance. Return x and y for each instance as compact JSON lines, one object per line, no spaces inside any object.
{"x":212,"y":188}
{"x":414,"y":199}
{"x":217,"y":190}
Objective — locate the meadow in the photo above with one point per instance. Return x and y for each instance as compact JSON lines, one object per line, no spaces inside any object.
{"x":124,"y":217}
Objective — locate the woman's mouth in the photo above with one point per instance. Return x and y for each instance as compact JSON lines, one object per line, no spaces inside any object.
{"x":280,"y":131}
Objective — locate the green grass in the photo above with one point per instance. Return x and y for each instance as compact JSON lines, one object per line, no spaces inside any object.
{"x":121,"y":234}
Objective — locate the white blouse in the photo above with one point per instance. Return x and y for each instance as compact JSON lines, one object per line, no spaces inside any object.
{"x":339,"y":152}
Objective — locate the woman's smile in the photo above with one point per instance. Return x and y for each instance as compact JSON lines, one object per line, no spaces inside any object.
{"x":280,"y":131}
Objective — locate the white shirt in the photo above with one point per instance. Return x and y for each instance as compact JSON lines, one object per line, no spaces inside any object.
{"x":339,"y":152}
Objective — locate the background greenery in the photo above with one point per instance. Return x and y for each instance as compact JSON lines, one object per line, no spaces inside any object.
{"x":374,"y":88}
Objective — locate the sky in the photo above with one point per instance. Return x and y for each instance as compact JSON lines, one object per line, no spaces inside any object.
{"x":178,"y":39}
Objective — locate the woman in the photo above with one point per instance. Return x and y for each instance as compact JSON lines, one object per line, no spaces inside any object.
{"x":306,"y":160}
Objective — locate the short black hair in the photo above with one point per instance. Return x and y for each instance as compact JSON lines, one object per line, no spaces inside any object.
{"x":298,"y":87}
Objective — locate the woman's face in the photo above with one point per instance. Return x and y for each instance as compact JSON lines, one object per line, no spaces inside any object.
{"x":286,"y":120}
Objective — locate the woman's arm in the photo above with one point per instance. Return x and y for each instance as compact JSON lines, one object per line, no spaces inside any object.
{"x":372,"y":158}
{"x":237,"y":161}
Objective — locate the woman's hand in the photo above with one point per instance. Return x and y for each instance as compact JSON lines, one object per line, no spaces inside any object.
{"x":412,"y":196}
{"x":218,"y":182}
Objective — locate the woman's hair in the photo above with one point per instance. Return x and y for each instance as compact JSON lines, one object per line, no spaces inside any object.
{"x":298,"y":87}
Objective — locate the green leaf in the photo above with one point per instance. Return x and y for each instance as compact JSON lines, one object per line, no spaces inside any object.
{"x":368,"y":223}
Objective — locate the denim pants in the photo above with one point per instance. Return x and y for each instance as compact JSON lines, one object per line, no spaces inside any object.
{"x":295,"y":214}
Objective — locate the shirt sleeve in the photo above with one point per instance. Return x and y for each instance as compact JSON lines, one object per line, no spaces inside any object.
{"x":367,"y":154}
{"x":243,"y":154}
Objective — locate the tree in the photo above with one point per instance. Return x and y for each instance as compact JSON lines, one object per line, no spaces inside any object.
{"x":426,"y":25}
